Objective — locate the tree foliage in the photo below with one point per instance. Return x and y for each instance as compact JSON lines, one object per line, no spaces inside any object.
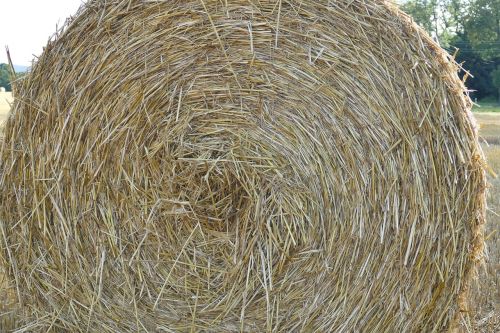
{"x":441,"y":18}
{"x":496,"y":78}
{"x":472,"y":27}
{"x":495,"y":75}
{"x":480,"y":83}
{"x":483,"y":27}
{"x":5,"y":77}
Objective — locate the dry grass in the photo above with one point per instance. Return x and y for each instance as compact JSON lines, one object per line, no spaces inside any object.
{"x":195,"y":166}
{"x":486,"y":295}
{"x":5,"y":100}
{"x":489,"y":127}
{"x":6,"y":296}
{"x":486,"y":292}
{"x":7,"y":305}
{"x":489,"y":106}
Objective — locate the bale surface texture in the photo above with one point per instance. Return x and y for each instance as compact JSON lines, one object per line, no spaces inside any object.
{"x":253,"y":166}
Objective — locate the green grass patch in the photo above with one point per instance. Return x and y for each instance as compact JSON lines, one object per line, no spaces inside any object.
{"x":486,"y":105}
{"x":486,"y":108}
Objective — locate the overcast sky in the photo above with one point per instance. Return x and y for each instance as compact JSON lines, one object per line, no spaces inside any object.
{"x":26,"y":25}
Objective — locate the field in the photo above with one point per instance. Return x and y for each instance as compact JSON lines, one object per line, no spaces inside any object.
{"x":487,"y":105}
{"x":486,"y":296}
{"x":486,"y":290}
{"x":5,"y":98}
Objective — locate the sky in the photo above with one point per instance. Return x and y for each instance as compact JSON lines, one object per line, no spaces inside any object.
{"x":26,"y":25}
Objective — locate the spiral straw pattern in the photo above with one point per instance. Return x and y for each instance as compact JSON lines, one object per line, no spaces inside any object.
{"x":241,"y":166}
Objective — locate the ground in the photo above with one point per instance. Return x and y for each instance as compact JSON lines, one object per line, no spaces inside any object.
{"x":488,"y":104}
{"x":486,"y":292}
{"x":4,"y":106}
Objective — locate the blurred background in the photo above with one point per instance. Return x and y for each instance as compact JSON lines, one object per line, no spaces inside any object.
{"x":470,"y":30}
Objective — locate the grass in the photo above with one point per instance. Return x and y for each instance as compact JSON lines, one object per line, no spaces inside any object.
{"x":486,"y":294}
{"x":486,"y":105}
{"x":5,"y":99}
{"x":489,"y":123}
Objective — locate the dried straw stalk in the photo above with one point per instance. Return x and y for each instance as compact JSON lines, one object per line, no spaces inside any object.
{"x":243,"y":165}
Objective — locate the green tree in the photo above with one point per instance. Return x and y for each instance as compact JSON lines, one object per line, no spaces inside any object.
{"x":442,"y":19}
{"x":5,"y":77}
{"x":473,"y":27}
{"x":479,"y":84}
{"x":483,"y":29}
{"x":423,"y":12}
{"x":495,"y":76}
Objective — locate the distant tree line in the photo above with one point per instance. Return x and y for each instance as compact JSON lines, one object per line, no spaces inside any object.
{"x":5,"y":77}
{"x":469,"y":28}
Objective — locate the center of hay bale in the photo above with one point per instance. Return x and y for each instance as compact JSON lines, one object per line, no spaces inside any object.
{"x":213,"y":196}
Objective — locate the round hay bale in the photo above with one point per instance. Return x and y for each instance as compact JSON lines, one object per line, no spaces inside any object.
{"x":225,"y":166}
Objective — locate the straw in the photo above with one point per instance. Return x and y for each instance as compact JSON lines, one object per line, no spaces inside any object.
{"x":241,"y":166}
